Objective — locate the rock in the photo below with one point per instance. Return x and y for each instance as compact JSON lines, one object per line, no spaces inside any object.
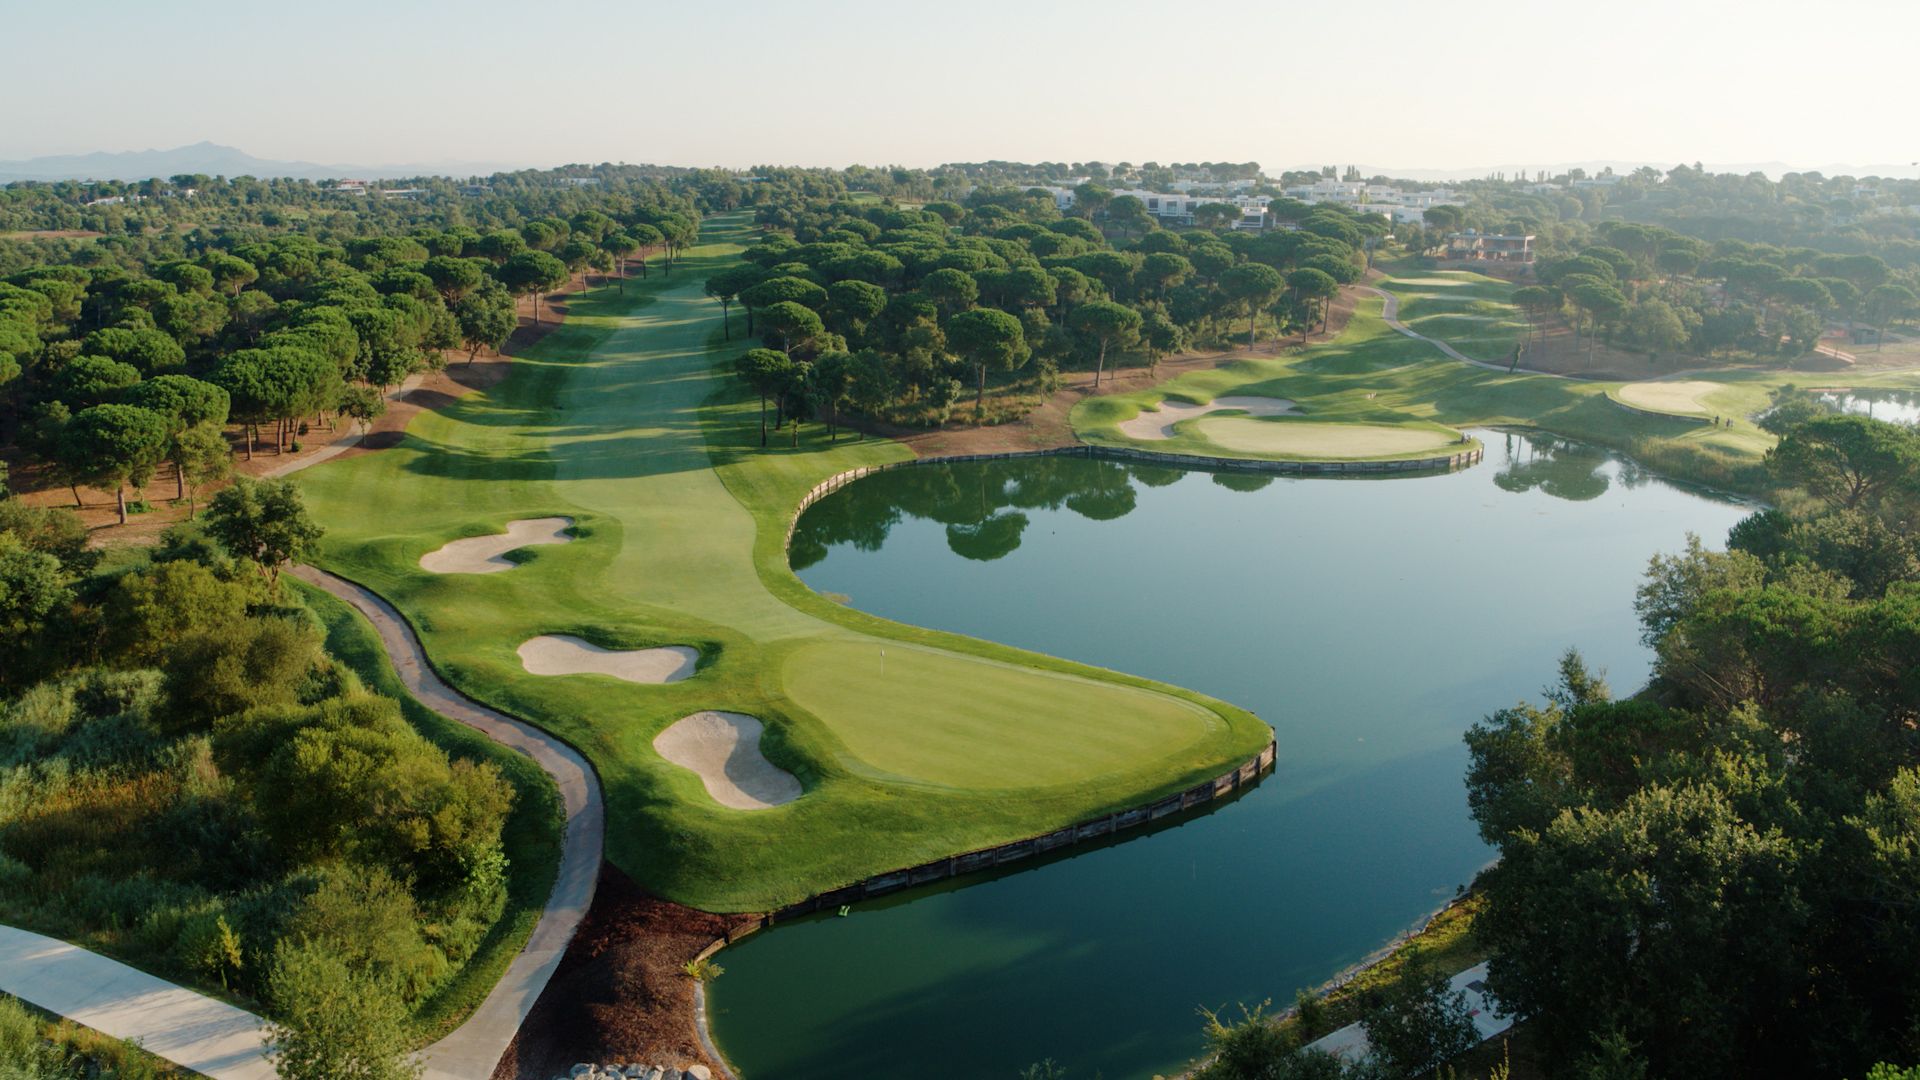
{"x":671,"y":1073}
{"x":698,"y":1072}
{"x":582,"y":1069}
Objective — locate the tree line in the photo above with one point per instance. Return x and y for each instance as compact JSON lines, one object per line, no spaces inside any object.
{"x":1657,"y":291}
{"x":896,"y":312}
{"x":110,"y":368}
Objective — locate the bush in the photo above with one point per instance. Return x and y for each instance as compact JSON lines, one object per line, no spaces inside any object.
{"x":334,"y":1024}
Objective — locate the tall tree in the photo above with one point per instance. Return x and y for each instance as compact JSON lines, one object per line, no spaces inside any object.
{"x":112,"y":446}
{"x":987,"y":337}
{"x":766,"y":371}
{"x":1110,"y":325}
{"x":532,"y":273}
{"x":1251,"y":287}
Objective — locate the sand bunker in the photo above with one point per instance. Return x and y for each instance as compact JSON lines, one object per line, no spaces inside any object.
{"x":564,"y":654}
{"x":1683,"y":398}
{"x":1159,"y":424}
{"x":724,"y":749}
{"x":1308,"y":439}
{"x":482,"y":554}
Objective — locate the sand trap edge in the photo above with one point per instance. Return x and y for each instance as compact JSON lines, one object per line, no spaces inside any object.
{"x":565,"y":654}
{"x":723,"y":750}
{"x":486,"y":554}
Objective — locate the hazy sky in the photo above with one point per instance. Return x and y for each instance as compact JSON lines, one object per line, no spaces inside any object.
{"x":1446,"y":83}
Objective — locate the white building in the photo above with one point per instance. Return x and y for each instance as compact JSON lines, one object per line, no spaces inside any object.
{"x":1383,"y":199}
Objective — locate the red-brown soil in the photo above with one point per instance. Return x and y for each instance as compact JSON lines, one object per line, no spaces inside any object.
{"x":619,"y":994}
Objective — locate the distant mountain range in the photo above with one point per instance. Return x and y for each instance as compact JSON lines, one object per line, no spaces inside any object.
{"x":1773,"y":169}
{"x":216,"y":160}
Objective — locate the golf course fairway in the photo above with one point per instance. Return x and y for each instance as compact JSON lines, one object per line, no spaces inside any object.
{"x":627,"y":421}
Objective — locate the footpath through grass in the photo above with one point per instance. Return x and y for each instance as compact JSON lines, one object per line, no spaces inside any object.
{"x":626,"y":421}
{"x":1372,"y":375}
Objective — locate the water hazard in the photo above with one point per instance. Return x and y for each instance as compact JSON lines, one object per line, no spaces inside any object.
{"x":1369,"y":621}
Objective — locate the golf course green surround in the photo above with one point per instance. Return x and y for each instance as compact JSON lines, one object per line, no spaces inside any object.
{"x":911,"y":744}
{"x":1371,"y":375}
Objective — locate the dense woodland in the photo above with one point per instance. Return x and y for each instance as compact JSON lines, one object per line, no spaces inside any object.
{"x":901,"y":313}
{"x":278,"y":304}
{"x":191,"y":782}
{"x":1719,"y":872}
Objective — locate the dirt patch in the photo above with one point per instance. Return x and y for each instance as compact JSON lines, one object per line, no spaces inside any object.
{"x":1159,"y":423}
{"x":723,"y":749}
{"x":564,"y":654}
{"x":487,"y":554}
{"x":619,"y":993}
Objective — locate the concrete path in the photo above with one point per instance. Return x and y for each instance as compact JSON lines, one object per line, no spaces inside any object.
{"x":477,"y":1045}
{"x":185,"y":1027}
{"x":1350,"y":1042}
{"x":340,"y":446}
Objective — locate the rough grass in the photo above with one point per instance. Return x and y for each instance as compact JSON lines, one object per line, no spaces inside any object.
{"x":1372,"y":375}
{"x":625,"y":420}
{"x":531,"y":837}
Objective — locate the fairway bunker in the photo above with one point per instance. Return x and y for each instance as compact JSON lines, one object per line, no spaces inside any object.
{"x":1686,"y":398}
{"x":723,"y":749}
{"x":485,"y":554}
{"x":564,"y":654}
{"x":1159,"y":424}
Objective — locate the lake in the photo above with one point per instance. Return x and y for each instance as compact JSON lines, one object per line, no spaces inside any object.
{"x":1369,"y":621}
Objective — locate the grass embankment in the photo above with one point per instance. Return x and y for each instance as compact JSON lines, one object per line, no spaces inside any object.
{"x":531,"y":837}
{"x":626,"y":421}
{"x":36,"y":1044}
{"x":1371,"y":374}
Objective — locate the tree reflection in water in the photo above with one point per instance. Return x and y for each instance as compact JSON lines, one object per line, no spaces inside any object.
{"x":1562,"y":468}
{"x":981,"y":504}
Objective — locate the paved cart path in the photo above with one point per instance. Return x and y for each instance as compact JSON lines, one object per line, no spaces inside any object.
{"x":228,"y":1043}
{"x":475,"y":1047}
{"x":185,"y":1027}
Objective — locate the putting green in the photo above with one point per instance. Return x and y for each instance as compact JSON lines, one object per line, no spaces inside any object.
{"x":1313,"y":440}
{"x":1685,"y":398}
{"x":627,"y":421}
{"x":1064,"y":730}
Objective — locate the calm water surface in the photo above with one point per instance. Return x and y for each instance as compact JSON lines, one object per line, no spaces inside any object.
{"x":1369,"y":621}
{"x":1897,"y":406}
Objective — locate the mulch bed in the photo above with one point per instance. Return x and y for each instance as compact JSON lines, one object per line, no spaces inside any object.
{"x":619,"y":994}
